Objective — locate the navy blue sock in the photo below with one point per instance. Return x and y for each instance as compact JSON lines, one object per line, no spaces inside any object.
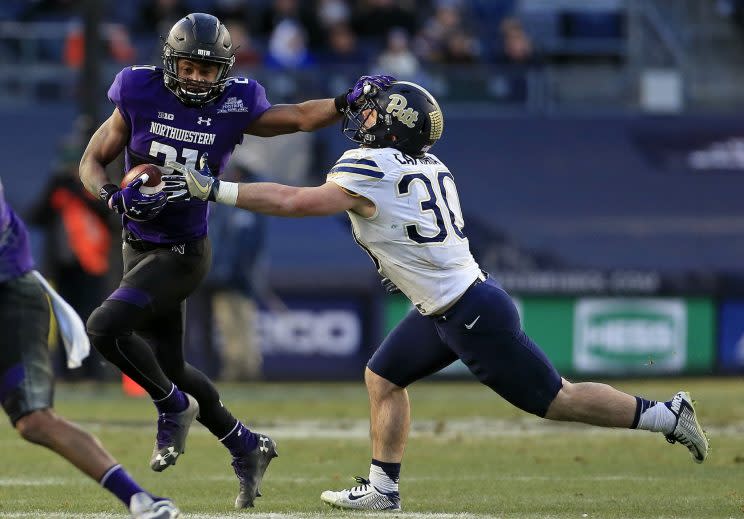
{"x":118,"y":482}
{"x":641,"y":405}
{"x":175,"y":402}
{"x":391,"y":470}
{"x":240,"y":440}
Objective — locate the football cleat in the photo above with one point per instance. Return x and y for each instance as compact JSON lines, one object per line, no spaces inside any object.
{"x":250,"y":470}
{"x":687,"y":430}
{"x":362,"y":497}
{"x":170,"y":441}
{"x":144,"y":506}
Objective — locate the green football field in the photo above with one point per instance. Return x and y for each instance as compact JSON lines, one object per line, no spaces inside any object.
{"x":470,"y":455}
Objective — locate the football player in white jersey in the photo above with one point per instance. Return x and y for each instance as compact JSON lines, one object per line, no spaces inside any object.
{"x":405,"y":213}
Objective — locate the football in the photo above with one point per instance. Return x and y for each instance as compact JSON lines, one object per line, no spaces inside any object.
{"x":153,"y":184}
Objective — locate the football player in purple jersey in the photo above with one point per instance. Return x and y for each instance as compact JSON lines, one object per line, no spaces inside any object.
{"x":190,"y":111}
{"x":26,"y":380}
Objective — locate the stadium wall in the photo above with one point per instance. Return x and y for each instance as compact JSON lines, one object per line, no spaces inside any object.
{"x":656,"y":194}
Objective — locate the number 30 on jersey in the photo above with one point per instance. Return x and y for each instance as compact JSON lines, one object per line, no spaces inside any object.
{"x":435,"y":206}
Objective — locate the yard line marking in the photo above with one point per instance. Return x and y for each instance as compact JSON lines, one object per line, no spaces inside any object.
{"x":474,"y":477}
{"x":290,"y":515}
{"x":35,"y":482}
{"x":472,"y":428}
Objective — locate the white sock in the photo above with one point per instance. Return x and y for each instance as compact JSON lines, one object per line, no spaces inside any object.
{"x":658,"y":418}
{"x":381,"y":481}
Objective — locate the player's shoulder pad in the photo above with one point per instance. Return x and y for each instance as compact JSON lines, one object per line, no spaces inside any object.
{"x":141,"y":73}
{"x":243,"y":94}
{"x":361,"y":162}
{"x":131,"y":81}
{"x":240,"y":86}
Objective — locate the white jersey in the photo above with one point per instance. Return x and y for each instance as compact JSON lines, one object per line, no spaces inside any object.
{"x":416,"y":235}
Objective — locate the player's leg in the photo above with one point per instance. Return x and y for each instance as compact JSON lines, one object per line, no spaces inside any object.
{"x":504,"y":358}
{"x":83,"y":450}
{"x":390,"y":417}
{"x":26,"y":391}
{"x":151,"y":278}
{"x":252,"y":452}
{"x":110,"y":328}
{"x":413,"y":350}
{"x":600,"y":404}
{"x":154,"y":279}
{"x":592,"y":403}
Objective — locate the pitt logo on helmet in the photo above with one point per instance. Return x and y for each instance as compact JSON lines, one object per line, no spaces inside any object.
{"x":397,"y":108}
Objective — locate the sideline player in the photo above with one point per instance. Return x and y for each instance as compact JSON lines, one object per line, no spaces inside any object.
{"x":26,"y":381}
{"x":405,"y":213}
{"x":193,"y":112}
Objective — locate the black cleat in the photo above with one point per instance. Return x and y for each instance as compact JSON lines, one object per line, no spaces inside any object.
{"x":170,"y":442}
{"x":250,"y":470}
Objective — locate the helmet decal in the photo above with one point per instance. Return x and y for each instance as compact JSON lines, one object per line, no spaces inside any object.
{"x":437,"y":124}
{"x":397,"y":108}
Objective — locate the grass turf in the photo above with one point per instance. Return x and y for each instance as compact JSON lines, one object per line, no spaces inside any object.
{"x":470,"y":455}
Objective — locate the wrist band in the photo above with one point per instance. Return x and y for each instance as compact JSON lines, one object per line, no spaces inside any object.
{"x":107,"y":190}
{"x":225,"y":192}
{"x":341,"y":102}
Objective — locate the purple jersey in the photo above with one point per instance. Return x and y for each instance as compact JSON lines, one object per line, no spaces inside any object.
{"x":162,"y":128}
{"x":15,"y":254}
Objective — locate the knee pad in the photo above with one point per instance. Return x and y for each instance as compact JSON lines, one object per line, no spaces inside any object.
{"x":111,"y":319}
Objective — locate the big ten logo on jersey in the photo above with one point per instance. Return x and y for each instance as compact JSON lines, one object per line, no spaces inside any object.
{"x":165,"y":115}
{"x":397,"y":108}
{"x":334,"y":332}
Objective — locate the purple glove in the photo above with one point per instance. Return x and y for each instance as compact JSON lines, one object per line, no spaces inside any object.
{"x":357,"y":93}
{"x":135,"y":205}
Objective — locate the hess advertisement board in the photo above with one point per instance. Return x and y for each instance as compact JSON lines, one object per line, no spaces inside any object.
{"x":612,"y":336}
{"x":621,"y":335}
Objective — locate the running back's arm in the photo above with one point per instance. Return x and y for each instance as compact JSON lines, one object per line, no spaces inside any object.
{"x":302,"y":117}
{"x":105,"y":145}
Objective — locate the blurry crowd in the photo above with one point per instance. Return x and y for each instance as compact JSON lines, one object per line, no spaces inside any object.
{"x":733,"y":9}
{"x":399,"y":36}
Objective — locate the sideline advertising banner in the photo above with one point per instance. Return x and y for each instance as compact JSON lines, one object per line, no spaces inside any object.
{"x":612,"y":336}
{"x":619,"y":336}
{"x":731,"y":333}
{"x":315,"y":338}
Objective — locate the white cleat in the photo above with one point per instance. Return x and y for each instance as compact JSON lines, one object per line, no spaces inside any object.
{"x":362,"y":497}
{"x":687,"y":431}
{"x":142,"y":506}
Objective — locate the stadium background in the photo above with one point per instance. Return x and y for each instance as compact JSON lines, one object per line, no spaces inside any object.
{"x":598,"y":151}
{"x":597,"y":148}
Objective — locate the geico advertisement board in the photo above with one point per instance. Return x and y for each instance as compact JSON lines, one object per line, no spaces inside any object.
{"x":314,"y":338}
